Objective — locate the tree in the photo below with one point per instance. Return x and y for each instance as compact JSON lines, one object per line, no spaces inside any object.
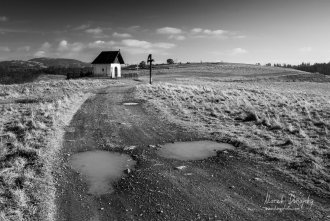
{"x":142,"y":64}
{"x":170,"y":61}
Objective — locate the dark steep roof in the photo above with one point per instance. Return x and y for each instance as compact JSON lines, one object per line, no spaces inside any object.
{"x":108,"y":57}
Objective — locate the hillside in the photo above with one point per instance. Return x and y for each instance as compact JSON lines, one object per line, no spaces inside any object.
{"x":61,"y":62}
{"x":18,"y":71}
{"x":19,"y":65}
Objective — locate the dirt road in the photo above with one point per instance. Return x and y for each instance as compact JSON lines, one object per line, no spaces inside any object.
{"x":228,"y":186}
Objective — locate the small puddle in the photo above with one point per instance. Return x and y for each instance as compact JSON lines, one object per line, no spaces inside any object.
{"x":194,"y":150}
{"x":130,"y":104}
{"x":101,"y":169}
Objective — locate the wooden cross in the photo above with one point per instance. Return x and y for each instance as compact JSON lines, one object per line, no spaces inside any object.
{"x":150,"y":60}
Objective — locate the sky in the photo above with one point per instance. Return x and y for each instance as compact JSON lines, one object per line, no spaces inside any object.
{"x":244,"y":31}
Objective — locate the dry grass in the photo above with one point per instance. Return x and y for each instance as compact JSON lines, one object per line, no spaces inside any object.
{"x":30,"y":139}
{"x":287,"y":123}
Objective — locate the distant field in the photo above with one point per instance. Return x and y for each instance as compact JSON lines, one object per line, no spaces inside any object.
{"x":223,"y":70}
{"x":283,"y":118}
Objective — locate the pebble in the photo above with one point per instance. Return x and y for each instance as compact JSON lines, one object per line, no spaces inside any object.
{"x":130,"y":148}
{"x":180,"y":167}
{"x":127,"y":171}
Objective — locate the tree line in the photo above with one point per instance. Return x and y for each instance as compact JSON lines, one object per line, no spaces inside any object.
{"x":322,"y":68}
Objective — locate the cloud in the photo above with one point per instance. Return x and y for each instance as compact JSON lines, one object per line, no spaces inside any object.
{"x":196,"y":30}
{"x":177,"y":37}
{"x":101,"y":44}
{"x":24,"y":49}
{"x":45,"y":46}
{"x":136,"y":43}
{"x":133,"y":28}
{"x":95,"y":31}
{"x":63,"y":49}
{"x":121,"y":35}
{"x":44,"y":50}
{"x":203,"y":33}
{"x":306,"y":49}
{"x":82,"y":27}
{"x":214,"y":32}
{"x":163,"y":45}
{"x":217,"y":33}
{"x":39,"y":54}
{"x":238,"y":51}
{"x":4,"y":49}
{"x":174,"y":33}
{"x":64,"y":46}
{"x":3,"y":18}
{"x":169,"y":30}
{"x":134,"y":46}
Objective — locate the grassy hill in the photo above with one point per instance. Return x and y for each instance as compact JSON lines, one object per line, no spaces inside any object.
{"x":61,"y":62}
{"x":277,"y":115}
{"x":18,"y":71}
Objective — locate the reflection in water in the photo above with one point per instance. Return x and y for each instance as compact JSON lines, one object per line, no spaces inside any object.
{"x":195,"y":150}
{"x":130,"y":104}
{"x":101,"y":169}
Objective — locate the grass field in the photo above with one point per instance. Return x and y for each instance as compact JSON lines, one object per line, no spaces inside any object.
{"x":277,"y":115}
{"x":32,"y":119}
{"x":286,"y":123}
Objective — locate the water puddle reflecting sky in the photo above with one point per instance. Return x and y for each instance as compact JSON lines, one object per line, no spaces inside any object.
{"x":194,"y":150}
{"x":130,"y":104}
{"x":101,"y":168}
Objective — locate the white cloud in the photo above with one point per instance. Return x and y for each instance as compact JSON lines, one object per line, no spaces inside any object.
{"x":196,"y":30}
{"x":3,"y":18}
{"x":82,"y":27}
{"x":169,"y":30}
{"x":45,"y":46}
{"x":136,"y":43}
{"x":95,"y":31}
{"x":75,"y":47}
{"x":39,"y":54}
{"x":163,"y":45}
{"x":121,"y":35}
{"x":217,"y":33}
{"x":238,"y":51}
{"x":43,"y":51}
{"x":134,"y":46}
{"x":133,"y":28}
{"x":5,"y":49}
{"x":177,"y":37}
{"x":101,"y":44}
{"x":63,"y":45}
{"x":24,"y":49}
{"x":306,"y":49}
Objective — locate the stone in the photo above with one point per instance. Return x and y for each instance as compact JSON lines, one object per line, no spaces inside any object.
{"x":180,"y":167}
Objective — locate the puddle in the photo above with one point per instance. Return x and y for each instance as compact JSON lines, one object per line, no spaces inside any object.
{"x":130,"y":104}
{"x":101,"y":168}
{"x":195,"y":150}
